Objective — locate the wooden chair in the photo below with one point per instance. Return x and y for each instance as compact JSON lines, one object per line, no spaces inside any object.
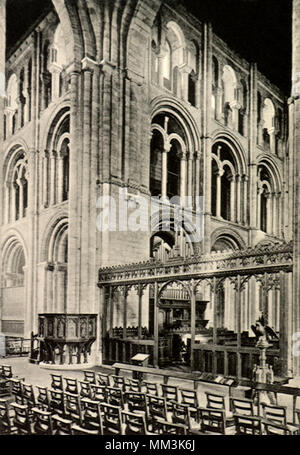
{"x":212,"y":421}
{"x":103,"y":379}
{"x":57,"y":382}
{"x":6,"y":372}
{"x":43,"y":398}
{"x":73,"y":408}
{"x":16,"y":387}
{"x":170,"y":393}
{"x":6,"y":426}
{"x":278,"y":415}
{"x":98,"y":393}
{"x":134,"y":424}
{"x":216,"y":401}
{"x":157,"y":411}
{"x":132,"y":385}
{"x":114,"y":396}
{"x":190,"y":398}
{"x":276,"y":429}
{"x":42,"y":422}
{"x":71,"y":385}
{"x":151,"y":388}
{"x":242,"y":406}
{"x":85,"y":389}
{"x":61,"y":426}
{"x":111,"y":418}
{"x":118,"y":381}
{"x":91,"y":416}
{"x":136,"y":401}
{"x":57,"y":402}
{"x":181,"y":414}
{"x":89,"y":376}
{"x":21,"y":419}
{"x":171,"y":428}
{"x":28,"y":395}
{"x":248,"y":425}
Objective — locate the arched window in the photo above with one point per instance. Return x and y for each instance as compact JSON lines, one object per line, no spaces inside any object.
{"x":167,"y":65}
{"x":12,"y":105}
{"x":65,"y":157}
{"x":268,"y":202}
{"x":154,"y":63}
{"x":46,"y":75}
{"x":269,"y":125}
{"x":18,"y":189}
{"x":215,"y":86}
{"x":227,"y":185}
{"x":243,"y":108}
{"x":58,"y":63}
{"x":229,"y":85}
{"x":167,"y":155}
{"x":192,"y":76}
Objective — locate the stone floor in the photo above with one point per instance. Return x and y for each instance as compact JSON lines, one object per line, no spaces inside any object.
{"x":36,"y":375}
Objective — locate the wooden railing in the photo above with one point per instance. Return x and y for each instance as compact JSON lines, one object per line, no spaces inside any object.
{"x":231,"y":360}
{"x":122,"y":350}
{"x":17,"y":346}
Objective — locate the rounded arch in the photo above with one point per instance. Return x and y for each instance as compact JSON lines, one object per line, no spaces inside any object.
{"x":57,"y":114}
{"x":173,"y":107}
{"x":228,"y":237}
{"x":270,"y":164}
{"x":268,"y":114}
{"x":235,"y":147}
{"x":230,"y":84}
{"x":59,"y":125}
{"x":14,"y":153}
{"x":70,"y":21}
{"x":54,"y":238}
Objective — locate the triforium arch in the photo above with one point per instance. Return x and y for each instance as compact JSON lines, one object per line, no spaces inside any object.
{"x":173,"y":154}
{"x":226,"y":240}
{"x":269,"y":196}
{"x":15,"y":178}
{"x":13,"y":286}
{"x":54,"y":266}
{"x":55,"y":165}
{"x":229,"y":180}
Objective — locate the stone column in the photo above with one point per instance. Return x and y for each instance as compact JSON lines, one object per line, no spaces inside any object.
{"x":60,"y":170}
{"x":45,"y":178}
{"x":246,"y":199}
{"x":53,"y":177}
{"x":183,"y":178}
{"x":55,"y":71}
{"x":190,"y":180}
{"x":218,"y":201}
{"x":164,"y":174}
{"x":271,"y":132}
{"x":238,"y":199}
{"x":232,"y":198}
{"x":7,"y":201}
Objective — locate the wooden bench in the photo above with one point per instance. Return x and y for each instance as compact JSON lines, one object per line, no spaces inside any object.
{"x":166,"y":374}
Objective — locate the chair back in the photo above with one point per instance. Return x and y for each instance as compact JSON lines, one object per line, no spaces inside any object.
{"x":274,"y":413}
{"x":212,"y":420}
{"x":118,"y":381}
{"x":16,"y":387}
{"x":247,"y":425}
{"x":43,"y":397}
{"x":91,"y":415}
{"x":134,"y":424}
{"x":242,"y":407}
{"x":169,"y":392}
{"x":89,"y":376}
{"x":6,"y":371}
{"x":151,"y":388}
{"x":103,"y":379}
{"x":42,"y":422}
{"x":28,"y":395}
{"x":157,"y":407}
{"x":73,"y":407}
{"x":136,"y":401}
{"x":215,"y":401}
{"x":111,"y":418}
{"x":56,"y":382}
{"x":21,"y":418}
{"x":181,"y":414}
{"x":189,"y":397}
{"x":98,"y":392}
{"x":85,"y":389}
{"x":132,"y":385}
{"x":114,"y":396}
{"x":57,"y":401}
{"x":5,"y":422}
{"x":71,"y":385}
